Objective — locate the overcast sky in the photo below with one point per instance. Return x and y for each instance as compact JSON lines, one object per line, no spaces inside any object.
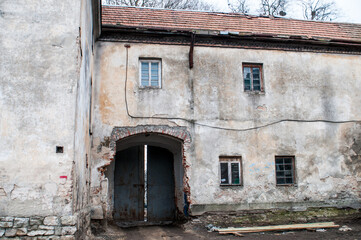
{"x":350,"y":9}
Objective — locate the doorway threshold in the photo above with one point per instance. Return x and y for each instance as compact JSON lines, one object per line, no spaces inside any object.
{"x":141,"y":223}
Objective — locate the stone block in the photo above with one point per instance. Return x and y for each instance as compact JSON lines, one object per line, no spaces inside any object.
{"x":51,"y":221}
{"x":68,"y":230}
{"x":44,"y":227}
{"x":36,"y":233}
{"x":21,"y":231}
{"x":6,"y":224}
{"x":49,"y":232}
{"x":6,"y":219}
{"x":67,"y":238}
{"x":2,"y":232}
{"x":36,"y":221}
{"x":97,"y":212}
{"x":68,"y":220}
{"x":57,"y":231}
{"x":21,"y":222}
{"x":33,"y":227}
{"x":10,"y":232}
{"x":53,"y":237}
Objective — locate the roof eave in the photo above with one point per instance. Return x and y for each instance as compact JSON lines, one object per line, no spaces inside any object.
{"x":263,"y":36}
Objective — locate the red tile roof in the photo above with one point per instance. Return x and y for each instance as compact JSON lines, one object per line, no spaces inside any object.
{"x":179,"y":20}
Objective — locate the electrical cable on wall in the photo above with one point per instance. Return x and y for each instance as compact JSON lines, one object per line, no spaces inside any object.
{"x":192,"y":121}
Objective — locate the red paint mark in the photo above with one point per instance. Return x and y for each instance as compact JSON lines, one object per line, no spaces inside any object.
{"x":66,"y":177}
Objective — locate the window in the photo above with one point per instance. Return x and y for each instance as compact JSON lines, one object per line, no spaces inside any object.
{"x":150,"y":73}
{"x":252,"y":76}
{"x":285,"y":170}
{"x":230,"y":168}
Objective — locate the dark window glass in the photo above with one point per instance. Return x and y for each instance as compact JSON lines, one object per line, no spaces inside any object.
{"x":285,"y":170}
{"x":252,"y":77}
{"x":235,"y":173}
{"x":247,"y":78}
{"x":224,"y":173}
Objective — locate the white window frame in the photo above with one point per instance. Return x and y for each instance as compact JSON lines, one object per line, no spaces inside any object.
{"x":229,"y":160}
{"x":149,"y":61}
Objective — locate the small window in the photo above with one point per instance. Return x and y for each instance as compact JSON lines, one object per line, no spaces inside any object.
{"x":285,"y":170}
{"x":252,"y":77}
{"x":230,"y":168}
{"x":150,"y":73}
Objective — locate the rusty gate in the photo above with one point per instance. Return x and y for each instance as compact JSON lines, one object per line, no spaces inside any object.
{"x":130,"y":176}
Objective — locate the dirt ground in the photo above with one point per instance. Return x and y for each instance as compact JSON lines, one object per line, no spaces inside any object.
{"x":197,"y":230}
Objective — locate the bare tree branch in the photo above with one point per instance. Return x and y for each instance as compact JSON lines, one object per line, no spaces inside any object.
{"x":273,"y":7}
{"x":169,"y":4}
{"x":322,"y":10}
{"x":238,"y":6}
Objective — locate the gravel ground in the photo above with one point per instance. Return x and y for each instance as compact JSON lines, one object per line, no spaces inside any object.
{"x":196,"y":230}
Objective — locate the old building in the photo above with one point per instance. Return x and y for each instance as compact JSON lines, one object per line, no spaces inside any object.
{"x":46,"y":66}
{"x":161,"y":113}
{"x":254,"y":113}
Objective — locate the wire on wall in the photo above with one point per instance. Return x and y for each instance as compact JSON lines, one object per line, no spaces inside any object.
{"x":192,"y":121}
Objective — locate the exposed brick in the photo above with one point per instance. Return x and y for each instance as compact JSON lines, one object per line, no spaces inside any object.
{"x":51,"y":221}
{"x":21,"y":222}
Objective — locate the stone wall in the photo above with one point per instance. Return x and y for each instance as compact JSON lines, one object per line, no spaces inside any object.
{"x":50,"y":227}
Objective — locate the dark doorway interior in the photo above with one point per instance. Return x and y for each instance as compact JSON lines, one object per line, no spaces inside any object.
{"x":144,"y":189}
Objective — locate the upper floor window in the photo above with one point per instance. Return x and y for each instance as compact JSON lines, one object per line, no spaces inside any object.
{"x":150,"y":73}
{"x":231,"y":172}
{"x":285,"y":170}
{"x":252,"y":76}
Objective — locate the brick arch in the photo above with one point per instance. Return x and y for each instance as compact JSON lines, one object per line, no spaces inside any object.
{"x":119,"y":133}
{"x":179,"y":133}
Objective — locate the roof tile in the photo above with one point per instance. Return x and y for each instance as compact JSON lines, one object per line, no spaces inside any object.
{"x":194,"y":20}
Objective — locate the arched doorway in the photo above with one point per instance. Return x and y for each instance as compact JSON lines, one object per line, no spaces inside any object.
{"x":148,"y":179}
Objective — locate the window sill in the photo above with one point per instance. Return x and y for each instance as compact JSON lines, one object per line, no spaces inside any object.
{"x":286,"y":185}
{"x":148,"y":88}
{"x":255,"y":92}
{"x":231,"y":185}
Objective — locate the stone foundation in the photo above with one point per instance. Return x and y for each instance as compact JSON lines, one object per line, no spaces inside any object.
{"x":50,"y":227}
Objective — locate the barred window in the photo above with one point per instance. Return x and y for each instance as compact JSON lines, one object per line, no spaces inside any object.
{"x":285,"y":170}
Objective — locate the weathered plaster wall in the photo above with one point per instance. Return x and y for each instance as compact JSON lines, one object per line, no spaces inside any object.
{"x":82,"y":137}
{"x":39,"y":72}
{"x":45,"y":91}
{"x":298,"y":85}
